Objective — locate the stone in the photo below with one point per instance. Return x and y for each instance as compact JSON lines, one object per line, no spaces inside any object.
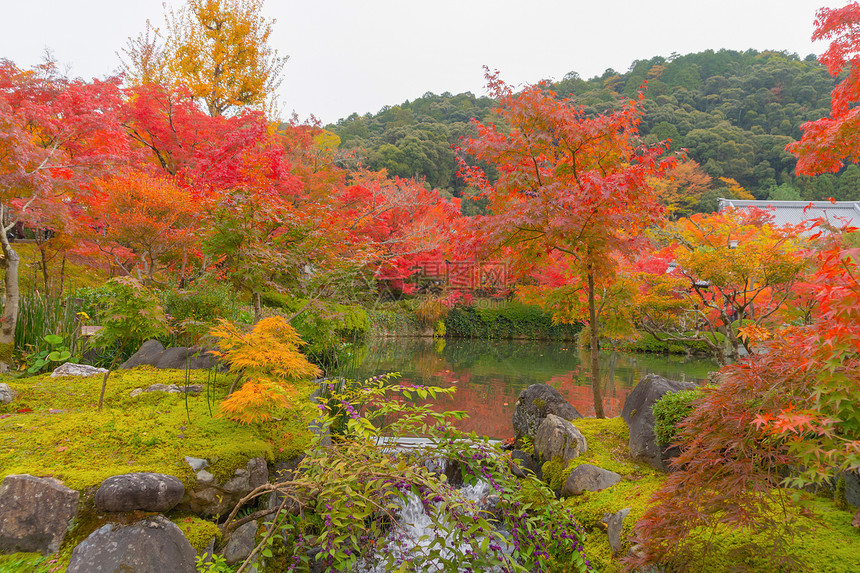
{"x":210,"y":497}
{"x":175,"y":357}
{"x":136,"y":392}
{"x":638,"y":415}
{"x":6,"y":394}
{"x":36,"y":513}
{"x":196,"y":464}
{"x":523,"y":464}
{"x":142,"y":491}
{"x":856,"y":521}
{"x":71,"y":369}
{"x":558,"y":438}
{"x":534,"y":404}
{"x":614,"y":527}
{"x":587,"y":477}
{"x":258,"y":472}
{"x":175,"y":389}
{"x":151,"y":545}
{"x":241,"y":543}
{"x":147,"y":355}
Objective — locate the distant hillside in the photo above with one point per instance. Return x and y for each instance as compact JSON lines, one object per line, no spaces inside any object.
{"x":733,"y":111}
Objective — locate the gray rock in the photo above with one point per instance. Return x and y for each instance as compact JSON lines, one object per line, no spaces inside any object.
{"x":36,"y":513}
{"x":175,"y":357}
{"x":588,"y":478}
{"x":148,"y":355}
{"x":71,"y":369}
{"x":136,"y":392}
{"x":855,"y":521}
{"x":152,"y":545}
{"x":556,"y":437}
{"x":534,"y":404}
{"x":196,"y":464}
{"x":640,"y":418}
{"x":6,"y":394}
{"x":258,"y":472}
{"x":241,"y":543}
{"x":523,"y":464}
{"x":614,"y":527}
{"x":175,"y":389}
{"x":210,"y":497}
{"x":139,"y":491}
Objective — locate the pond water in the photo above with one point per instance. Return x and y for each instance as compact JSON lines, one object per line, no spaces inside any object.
{"x":490,"y":374}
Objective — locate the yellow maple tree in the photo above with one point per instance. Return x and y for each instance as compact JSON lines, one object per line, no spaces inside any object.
{"x":268,"y":360}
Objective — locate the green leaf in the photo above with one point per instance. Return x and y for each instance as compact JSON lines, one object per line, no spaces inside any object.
{"x":54,"y":339}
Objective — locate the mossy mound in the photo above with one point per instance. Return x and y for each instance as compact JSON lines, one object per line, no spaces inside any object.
{"x":53,"y":428}
{"x":826,"y":542}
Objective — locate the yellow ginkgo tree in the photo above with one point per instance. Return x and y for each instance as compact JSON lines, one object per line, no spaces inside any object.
{"x":267,"y":362}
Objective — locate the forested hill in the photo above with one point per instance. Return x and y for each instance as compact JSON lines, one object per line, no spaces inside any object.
{"x":733,"y":111}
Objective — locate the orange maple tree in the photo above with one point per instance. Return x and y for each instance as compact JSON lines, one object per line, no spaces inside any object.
{"x":570,"y":185}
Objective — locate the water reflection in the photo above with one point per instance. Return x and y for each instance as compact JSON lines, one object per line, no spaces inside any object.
{"x":490,"y":374}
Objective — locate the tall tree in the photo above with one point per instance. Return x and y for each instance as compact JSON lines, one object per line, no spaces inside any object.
{"x":569,"y":183}
{"x":54,"y":135}
{"x":220,"y":50}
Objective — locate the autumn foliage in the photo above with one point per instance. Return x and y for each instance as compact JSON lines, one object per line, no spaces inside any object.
{"x":573,"y":190}
{"x":268,"y":361}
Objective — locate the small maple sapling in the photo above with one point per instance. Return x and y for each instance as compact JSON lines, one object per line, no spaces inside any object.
{"x":269,"y":361}
{"x":570,"y":184}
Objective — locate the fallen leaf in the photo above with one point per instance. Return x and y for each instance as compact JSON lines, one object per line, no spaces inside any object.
{"x":62,"y":449}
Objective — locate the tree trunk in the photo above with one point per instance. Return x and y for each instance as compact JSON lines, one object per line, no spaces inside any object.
{"x":594,"y":327}
{"x":11,"y":263}
{"x":258,"y":307}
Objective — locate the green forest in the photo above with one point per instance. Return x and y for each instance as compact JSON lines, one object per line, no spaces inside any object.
{"x":734,"y":112}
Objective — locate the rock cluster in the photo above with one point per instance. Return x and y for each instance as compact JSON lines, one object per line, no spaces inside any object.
{"x":153,"y":353}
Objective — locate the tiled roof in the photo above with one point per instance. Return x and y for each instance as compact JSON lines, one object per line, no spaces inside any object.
{"x":796,"y":212}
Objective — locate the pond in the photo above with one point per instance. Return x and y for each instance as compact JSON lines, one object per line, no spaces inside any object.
{"x":490,"y":374}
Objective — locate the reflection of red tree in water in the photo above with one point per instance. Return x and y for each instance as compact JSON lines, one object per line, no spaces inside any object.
{"x":490,"y":404}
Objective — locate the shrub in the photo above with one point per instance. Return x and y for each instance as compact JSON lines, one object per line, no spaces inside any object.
{"x":269,"y":361}
{"x":507,"y":320}
{"x":193,"y":312}
{"x":132,"y":314}
{"x":670,"y":410}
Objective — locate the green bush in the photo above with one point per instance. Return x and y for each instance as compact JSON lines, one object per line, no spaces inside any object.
{"x":507,"y":320}
{"x":647,"y":342}
{"x":670,"y":410}
{"x":330,"y":330}
{"x":193,"y":312}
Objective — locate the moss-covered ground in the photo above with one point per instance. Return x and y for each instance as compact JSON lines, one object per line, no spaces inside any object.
{"x":826,"y":543}
{"x":53,"y":428}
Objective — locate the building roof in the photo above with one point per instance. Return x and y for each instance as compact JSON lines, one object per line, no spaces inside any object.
{"x":795,"y":212}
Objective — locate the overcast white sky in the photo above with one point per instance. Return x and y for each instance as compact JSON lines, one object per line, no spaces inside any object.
{"x":359,"y":55}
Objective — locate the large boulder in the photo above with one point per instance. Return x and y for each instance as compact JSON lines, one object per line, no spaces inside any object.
{"x":587,"y":477}
{"x":142,"y":491}
{"x":638,"y":414}
{"x":534,"y":404}
{"x":34,"y":513}
{"x":152,"y":545}
{"x":147,"y":355}
{"x":558,"y":438}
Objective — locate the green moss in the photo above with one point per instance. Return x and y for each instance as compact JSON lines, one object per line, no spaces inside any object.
{"x":6,"y":351}
{"x":199,"y":532}
{"x":554,"y":473}
{"x":64,"y":435}
{"x":24,"y":563}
